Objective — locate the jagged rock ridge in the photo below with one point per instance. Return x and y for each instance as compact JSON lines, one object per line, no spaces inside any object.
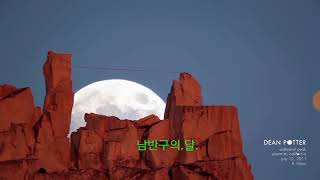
{"x":34,"y":142}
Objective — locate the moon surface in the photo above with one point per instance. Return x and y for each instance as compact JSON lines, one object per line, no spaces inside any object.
{"x":116,"y":97}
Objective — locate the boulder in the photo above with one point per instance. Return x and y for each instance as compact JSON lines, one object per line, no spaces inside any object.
{"x":71,"y":175}
{"x":120,"y":146}
{"x":210,"y":119}
{"x":161,"y":157}
{"x":52,"y":153}
{"x":14,"y":170}
{"x":100,"y":123}
{"x":146,"y":121}
{"x":17,"y":108}
{"x":224,"y":145}
{"x":6,"y":89}
{"x":88,"y":146}
{"x":182,"y":172}
{"x":198,"y":154}
{"x":13,"y":144}
{"x":158,"y":174}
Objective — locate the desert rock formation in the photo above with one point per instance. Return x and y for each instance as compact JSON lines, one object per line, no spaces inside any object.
{"x":34,"y":142}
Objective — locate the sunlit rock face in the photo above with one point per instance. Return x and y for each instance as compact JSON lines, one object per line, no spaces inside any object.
{"x":35,"y":143}
{"x":185,"y":91}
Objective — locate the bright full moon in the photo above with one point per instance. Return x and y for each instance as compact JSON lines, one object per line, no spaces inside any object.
{"x":116,"y":97}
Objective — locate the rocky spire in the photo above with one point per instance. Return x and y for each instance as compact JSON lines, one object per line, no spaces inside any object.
{"x":185,"y":91}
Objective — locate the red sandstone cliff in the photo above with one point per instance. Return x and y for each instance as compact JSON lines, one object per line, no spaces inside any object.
{"x":34,"y":142}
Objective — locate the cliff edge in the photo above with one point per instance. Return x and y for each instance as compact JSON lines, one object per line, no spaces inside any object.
{"x":34,"y":142}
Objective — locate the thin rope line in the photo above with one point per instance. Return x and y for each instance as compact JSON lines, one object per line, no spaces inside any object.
{"x":121,"y":69}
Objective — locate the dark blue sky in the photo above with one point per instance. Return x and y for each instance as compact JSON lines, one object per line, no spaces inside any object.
{"x":262,"y":56}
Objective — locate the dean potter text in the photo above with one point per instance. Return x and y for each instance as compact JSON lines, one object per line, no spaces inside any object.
{"x":290,"y":142}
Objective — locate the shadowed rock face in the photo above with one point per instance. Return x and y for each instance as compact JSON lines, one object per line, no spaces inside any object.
{"x":34,"y":142}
